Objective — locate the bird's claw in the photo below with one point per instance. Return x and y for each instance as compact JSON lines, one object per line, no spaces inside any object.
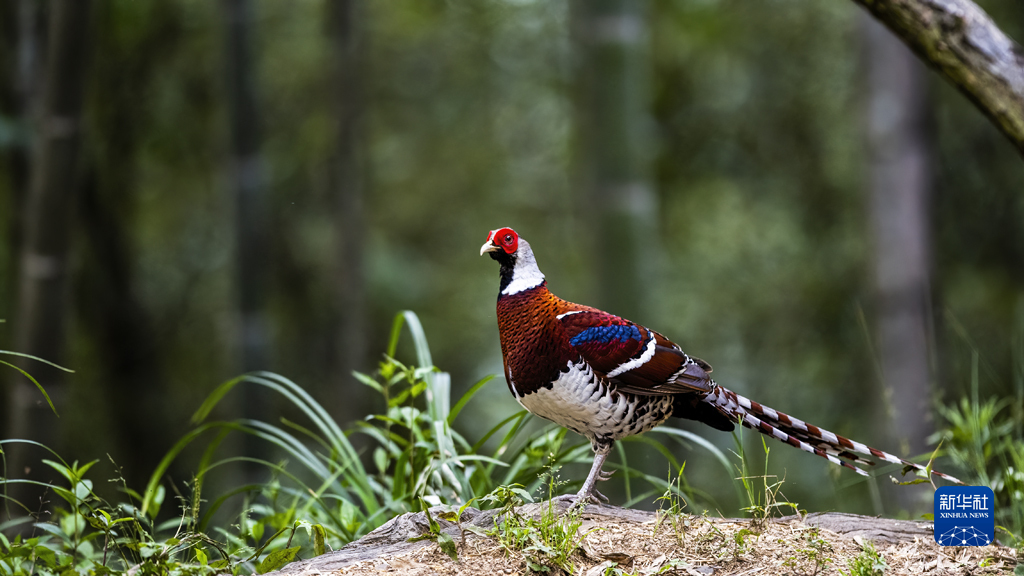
{"x":580,"y":501}
{"x":605,"y":475}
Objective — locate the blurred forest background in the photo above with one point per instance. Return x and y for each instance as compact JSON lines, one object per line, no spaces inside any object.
{"x":193,"y":189}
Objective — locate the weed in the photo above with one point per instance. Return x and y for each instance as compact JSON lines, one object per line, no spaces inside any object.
{"x":815,"y":553}
{"x":546,"y":541}
{"x":985,"y":439}
{"x":762,"y":492}
{"x":868,"y":563}
{"x":671,"y":505}
{"x":451,"y":514}
{"x":740,"y":544}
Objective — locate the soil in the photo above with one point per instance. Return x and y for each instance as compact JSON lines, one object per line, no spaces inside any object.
{"x":644,"y":543}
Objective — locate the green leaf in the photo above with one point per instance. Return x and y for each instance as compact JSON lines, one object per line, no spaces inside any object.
{"x":449,"y":515}
{"x":467,"y":397}
{"x":49,"y":557}
{"x":537,"y":567}
{"x":447,"y":545}
{"x":37,"y":359}
{"x":201,"y":556}
{"x":368,"y":381}
{"x":435,"y":528}
{"x":256,"y":531}
{"x":319,"y":536}
{"x":479,"y":531}
{"x":29,"y":376}
{"x":349,"y":516}
{"x":83,"y":489}
{"x":908,"y":482}
{"x":215,"y":397}
{"x":277,"y":559}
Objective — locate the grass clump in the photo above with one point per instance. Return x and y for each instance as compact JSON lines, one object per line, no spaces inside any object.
{"x":985,"y":438}
{"x":763,"y":492}
{"x":868,"y":563}
{"x":547,"y":541}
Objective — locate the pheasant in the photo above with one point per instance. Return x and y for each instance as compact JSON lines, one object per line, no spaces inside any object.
{"x":606,"y":378}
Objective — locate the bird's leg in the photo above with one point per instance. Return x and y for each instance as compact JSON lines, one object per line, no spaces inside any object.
{"x":587,"y":493}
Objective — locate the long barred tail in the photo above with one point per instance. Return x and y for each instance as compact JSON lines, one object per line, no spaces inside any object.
{"x":802,"y":435}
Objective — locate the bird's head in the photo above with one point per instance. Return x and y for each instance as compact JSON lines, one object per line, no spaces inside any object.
{"x":519,"y":269}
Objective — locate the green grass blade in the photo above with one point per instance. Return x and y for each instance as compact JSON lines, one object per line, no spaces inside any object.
{"x":467,"y":397}
{"x":700,"y":441}
{"x":37,"y":359}
{"x":165,"y":462}
{"x":215,"y":397}
{"x":34,"y":381}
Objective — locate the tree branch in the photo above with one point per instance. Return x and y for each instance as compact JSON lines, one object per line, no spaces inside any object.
{"x":961,"y":41}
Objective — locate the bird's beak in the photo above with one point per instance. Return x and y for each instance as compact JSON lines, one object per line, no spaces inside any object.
{"x":488,"y":247}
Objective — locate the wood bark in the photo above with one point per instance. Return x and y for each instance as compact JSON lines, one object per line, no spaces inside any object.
{"x":961,"y":41}
{"x":615,"y":147}
{"x":899,"y":197}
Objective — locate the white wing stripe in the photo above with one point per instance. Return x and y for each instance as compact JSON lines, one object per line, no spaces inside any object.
{"x":636,"y":362}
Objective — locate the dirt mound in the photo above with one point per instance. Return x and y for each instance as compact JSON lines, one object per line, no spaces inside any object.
{"x":637,"y":542}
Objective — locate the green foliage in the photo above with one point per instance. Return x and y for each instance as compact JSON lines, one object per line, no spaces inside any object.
{"x":763,"y":491}
{"x":815,"y":552}
{"x":868,"y":563}
{"x":444,"y":541}
{"x":546,"y":541}
{"x":415,"y":457}
{"x":86,"y":534}
{"x":671,"y":505}
{"x":985,"y":439}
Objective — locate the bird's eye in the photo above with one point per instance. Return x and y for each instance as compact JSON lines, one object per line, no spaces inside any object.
{"x":508,"y":239}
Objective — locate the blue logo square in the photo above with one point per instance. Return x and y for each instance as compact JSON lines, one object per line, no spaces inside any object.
{"x":965,"y":516}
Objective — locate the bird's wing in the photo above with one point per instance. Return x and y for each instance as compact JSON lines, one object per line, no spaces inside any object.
{"x":634,"y":358}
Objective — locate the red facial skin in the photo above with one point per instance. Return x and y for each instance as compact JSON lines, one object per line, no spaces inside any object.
{"x":505,"y":238}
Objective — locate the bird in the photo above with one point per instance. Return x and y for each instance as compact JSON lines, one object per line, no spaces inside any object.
{"x":606,"y":377}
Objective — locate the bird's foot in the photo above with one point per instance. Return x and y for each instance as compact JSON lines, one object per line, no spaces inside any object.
{"x":605,"y":475}
{"x":581,"y":500}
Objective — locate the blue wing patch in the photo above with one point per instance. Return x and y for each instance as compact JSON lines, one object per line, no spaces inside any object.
{"x":605,"y":334}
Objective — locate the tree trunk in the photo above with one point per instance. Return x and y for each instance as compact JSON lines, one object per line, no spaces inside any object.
{"x":22,"y":51}
{"x":958,"y":39}
{"x":899,"y":198}
{"x":348,"y":176}
{"x":615,"y":147}
{"x":41,"y":320}
{"x":252,"y":219}
{"x":248,"y":184}
{"x":25,"y":27}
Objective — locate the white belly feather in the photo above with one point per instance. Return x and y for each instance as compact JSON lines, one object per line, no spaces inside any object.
{"x":586,"y":405}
